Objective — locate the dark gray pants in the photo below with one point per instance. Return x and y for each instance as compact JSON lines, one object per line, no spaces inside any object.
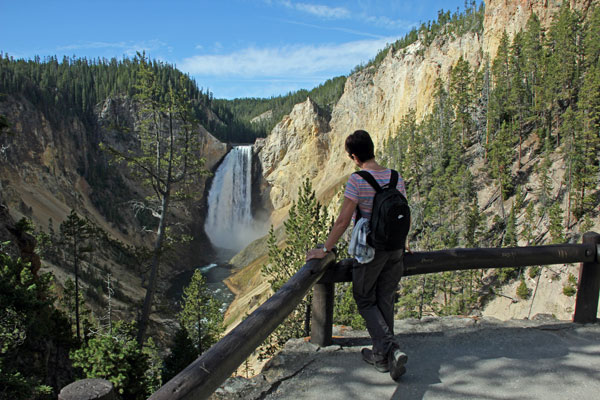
{"x":374,"y":285}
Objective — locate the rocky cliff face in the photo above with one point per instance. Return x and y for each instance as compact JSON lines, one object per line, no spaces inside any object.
{"x":293,"y":151}
{"x":44,"y":165}
{"x":377,"y":98}
{"x":512,"y":15}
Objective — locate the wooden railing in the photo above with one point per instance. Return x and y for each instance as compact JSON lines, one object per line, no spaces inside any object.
{"x":588,"y":287}
{"x":201,"y":378}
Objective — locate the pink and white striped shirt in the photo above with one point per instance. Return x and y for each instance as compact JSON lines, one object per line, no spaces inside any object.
{"x":359,"y":191}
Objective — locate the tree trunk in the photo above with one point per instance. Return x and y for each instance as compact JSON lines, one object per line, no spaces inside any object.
{"x":76,"y":265}
{"x":501,"y":196}
{"x":200,"y":349}
{"x":307,"y":318}
{"x":422,"y":298}
{"x":154,"y":271}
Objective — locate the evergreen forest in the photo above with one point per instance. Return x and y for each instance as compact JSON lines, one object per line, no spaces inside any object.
{"x":534,"y":106}
{"x":75,"y":86}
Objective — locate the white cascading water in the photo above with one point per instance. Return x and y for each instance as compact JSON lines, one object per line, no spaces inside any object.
{"x":229,"y":223}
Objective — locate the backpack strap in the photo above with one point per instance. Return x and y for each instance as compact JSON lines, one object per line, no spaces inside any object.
{"x":371,"y":181}
{"x":393,"y":179}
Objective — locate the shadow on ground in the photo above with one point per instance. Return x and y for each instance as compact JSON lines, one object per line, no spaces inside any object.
{"x":448,"y":358}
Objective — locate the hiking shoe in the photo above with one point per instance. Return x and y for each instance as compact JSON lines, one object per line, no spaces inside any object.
{"x":369,"y":357}
{"x":396,"y":362}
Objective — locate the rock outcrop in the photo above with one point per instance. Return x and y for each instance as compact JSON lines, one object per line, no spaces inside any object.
{"x":306,"y":145}
{"x":512,"y":15}
{"x":294,"y":151}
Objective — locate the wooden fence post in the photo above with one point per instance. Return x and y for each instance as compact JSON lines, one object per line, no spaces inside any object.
{"x":322,"y":314}
{"x":588,"y":286}
{"x":88,"y":389}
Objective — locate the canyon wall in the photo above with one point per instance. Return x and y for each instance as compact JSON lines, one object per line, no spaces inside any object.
{"x":377,"y":98}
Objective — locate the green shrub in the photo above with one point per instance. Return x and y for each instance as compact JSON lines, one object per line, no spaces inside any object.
{"x":534,"y":271}
{"x":116,"y":356}
{"x":523,"y":291}
{"x":569,"y":291}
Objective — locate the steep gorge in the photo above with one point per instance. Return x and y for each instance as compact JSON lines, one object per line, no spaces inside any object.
{"x":309,"y":144}
{"x":49,"y":168}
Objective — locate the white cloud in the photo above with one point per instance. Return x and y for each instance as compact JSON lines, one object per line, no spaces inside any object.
{"x":386,"y":22}
{"x":334,"y":28}
{"x":288,"y":61}
{"x":128,"y":48}
{"x":319,"y":10}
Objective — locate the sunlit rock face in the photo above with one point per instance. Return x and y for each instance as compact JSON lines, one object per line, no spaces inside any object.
{"x":309,"y":144}
{"x":512,"y":15}
{"x":306,"y":145}
{"x":294,"y":151}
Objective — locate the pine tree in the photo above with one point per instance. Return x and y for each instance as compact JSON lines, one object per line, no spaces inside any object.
{"x":307,"y":226}
{"x":345,"y":311}
{"x":533,"y":52}
{"x":499,"y":104}
{"x":461,"y":97}
{"x":556,"y":227}
{"x":564,"y":35}
{"x":75,"y":305}
{"x":408,"y":300}
{"x":168,"y":158}
{"x":182,"y":353}
{"x":76,"y":235}
{"x":119,"y":359}
{"x":500,"y":161}
{"x":473,"y":225}
{"x":545,"y":180}
{"x":30,"y":329}
{"x":200,"y":315}
{"x":522,"y":290}
{"x":519,"y":96}
{"x":588,"y":117}
{"x":528,"y":226}
{"x":572,"y":155}
{"x":511,"y":234}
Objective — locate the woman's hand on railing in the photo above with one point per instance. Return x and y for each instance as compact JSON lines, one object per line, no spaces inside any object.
{"x":315,"y":253}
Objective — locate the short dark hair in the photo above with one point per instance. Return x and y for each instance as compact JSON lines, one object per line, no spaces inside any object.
{"x":360,"y":144}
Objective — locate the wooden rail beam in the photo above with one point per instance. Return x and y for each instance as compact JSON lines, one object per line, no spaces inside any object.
{"x":202,"y":377}
{"x":430,"y":262}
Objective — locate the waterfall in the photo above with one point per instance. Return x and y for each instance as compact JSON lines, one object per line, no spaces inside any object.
{"x":229,"y":223}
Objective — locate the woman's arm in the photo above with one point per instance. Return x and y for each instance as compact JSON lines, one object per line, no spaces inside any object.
{"x":339,"y":227}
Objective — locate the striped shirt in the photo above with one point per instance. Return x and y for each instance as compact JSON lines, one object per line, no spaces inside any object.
{"x":359,"y":191}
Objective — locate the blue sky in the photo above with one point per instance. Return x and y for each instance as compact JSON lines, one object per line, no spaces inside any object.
{"x":237,"y":48}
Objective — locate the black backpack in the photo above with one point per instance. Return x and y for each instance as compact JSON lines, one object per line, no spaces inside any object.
{"x":390,"y":218}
